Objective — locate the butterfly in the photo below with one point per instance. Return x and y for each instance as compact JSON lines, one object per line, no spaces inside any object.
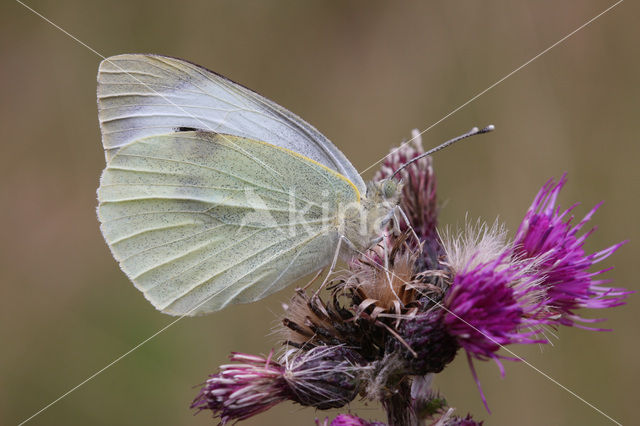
{"x":214,"y":195}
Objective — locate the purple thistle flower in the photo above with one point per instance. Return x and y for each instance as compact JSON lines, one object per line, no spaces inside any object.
{"x":349,"y":420}
{"x":418,"y":199}
{"x":241,"y":391}
{"x":547,"y":235}
{"x":486,"y":306}
{"x":489,"y":305}
{"x":323,"y":377}
{"x":461,"y":421}
{"x":402,"y":311}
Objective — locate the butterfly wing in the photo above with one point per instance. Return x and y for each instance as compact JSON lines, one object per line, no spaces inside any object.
{"x":145,"y":95}
{"x":200,"y":220}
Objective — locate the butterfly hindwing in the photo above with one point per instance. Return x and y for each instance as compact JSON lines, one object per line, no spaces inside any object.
{"x":201,"y":220}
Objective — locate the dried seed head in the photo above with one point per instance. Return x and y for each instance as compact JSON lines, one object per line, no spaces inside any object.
{"x":383,"y":280}
{"x":309,"y":323}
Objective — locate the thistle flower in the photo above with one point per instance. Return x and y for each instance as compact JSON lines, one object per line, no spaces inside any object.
{"x":486,"y":309}
{"x":241,"y":391}
{"x":384,"y":277}
{"x":459,"y":421}
{"x":432,"y":346}
{"x":324,"y":377}
{"x":401,"y":311}
{"x":348,"y":420}
{"x":546,"y":234}
{"x":418,"y":199}
{"x":484,"y":312}
{"x":492,"y":301}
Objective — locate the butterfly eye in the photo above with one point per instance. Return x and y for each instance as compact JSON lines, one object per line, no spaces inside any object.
{"x":389,"y":189}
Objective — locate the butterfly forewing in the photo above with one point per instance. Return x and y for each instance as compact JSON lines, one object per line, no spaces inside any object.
{"x":145,"y":95}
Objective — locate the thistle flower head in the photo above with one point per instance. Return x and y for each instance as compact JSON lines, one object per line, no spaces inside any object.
{"x":348,"y":420}
{"x":547,"y":234}
{"x":324,"y":377}
{"x":476,"y":244}
{"x":309,"y":322}
{"x":405,"y":307}
{"x":486,"y":306}
{"x":427,"y":346}
{"x":240,"y":391}
{"x":491,"y":298}
{"x":418,"y":199}
{"x":383,"y":277}
{"x":460,"y":421}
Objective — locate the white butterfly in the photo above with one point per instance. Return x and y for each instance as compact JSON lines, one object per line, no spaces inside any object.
{"x":213,"y":194}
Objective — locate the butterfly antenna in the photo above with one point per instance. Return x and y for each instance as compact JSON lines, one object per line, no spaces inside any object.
{"x":472,"y":132}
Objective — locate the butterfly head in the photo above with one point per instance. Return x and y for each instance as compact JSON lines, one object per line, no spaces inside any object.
{"x":384,"y":193}
{"x":364,"y":223}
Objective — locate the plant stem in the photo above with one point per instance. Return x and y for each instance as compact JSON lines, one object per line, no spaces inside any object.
{"x":398,"y":407}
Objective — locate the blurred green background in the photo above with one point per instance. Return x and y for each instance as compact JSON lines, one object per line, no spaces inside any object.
{"x":365,"y":73}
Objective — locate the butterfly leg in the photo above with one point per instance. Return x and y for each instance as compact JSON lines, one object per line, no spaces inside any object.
{"x":388,"y":272}
{"x":307,"y":285}
{"x":335,"y":261}
{"x":406,"y":220}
